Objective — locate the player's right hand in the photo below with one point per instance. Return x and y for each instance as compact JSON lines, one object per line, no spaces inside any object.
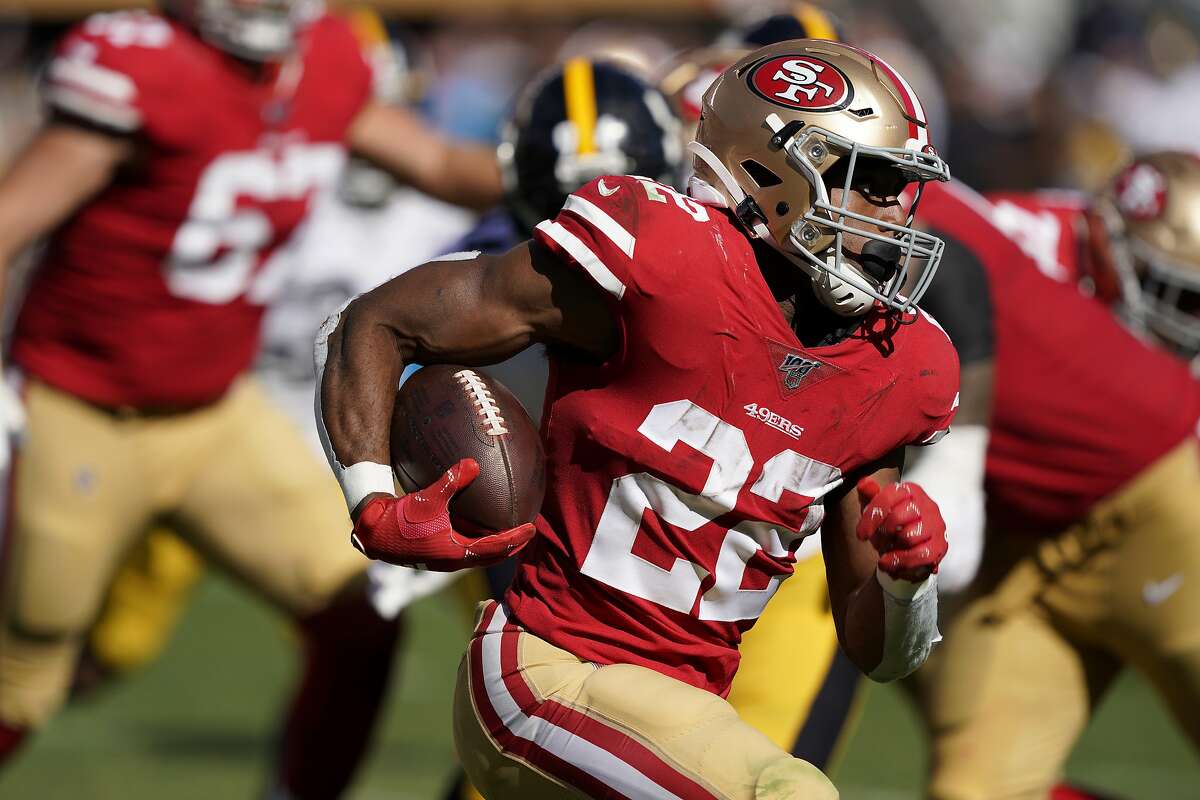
{"x":12,"y":422}
{"x":905,"y":526}
{"x":415,"y":530}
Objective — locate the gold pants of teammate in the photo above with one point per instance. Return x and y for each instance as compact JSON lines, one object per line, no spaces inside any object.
{"x":532,"y":721}
{"x":1023,"y":664}
{"x":236,"y":478}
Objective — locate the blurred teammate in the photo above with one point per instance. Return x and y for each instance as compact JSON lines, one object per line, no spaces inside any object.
{"x":331,"y":258}
{"x":698,"y":345}
{"x":168,"y":219}
{"x":1133,"y":246}
{"x":1091,"y":561}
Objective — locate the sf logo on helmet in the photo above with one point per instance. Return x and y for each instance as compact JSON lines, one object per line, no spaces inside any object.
{"x":801,"y":82}
{"x":1141,"y":192}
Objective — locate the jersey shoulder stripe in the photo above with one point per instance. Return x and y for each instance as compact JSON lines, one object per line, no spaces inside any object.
{"x":581,"y":254}
{"x":622,"y":239}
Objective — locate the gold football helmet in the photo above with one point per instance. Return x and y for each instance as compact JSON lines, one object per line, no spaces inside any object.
{"x":1151,"y":210}
{"x":785,"y":119}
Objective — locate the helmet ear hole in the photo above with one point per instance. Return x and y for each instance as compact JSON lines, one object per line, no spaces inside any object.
{"x":761,"y":176}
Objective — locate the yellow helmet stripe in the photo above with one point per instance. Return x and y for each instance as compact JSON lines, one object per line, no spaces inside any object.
{"x":368,"y":27}
{"x":816,"y":22}
{"x":580,"y":89}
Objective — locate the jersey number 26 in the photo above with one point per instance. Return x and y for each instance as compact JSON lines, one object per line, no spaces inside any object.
{"x":612,"y":561}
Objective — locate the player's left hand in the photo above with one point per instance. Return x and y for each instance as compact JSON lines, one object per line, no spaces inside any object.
{"x":415,"y":530}
{"x":905,"y":527}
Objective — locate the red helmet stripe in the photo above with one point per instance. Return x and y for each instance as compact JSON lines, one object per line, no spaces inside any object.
{"x":912,"y":103}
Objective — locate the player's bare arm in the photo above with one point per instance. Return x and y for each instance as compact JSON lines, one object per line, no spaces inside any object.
{"x":63,"y":167}
{"x":58,"y":171}
{"x":457,"y":172}
{"x":476,"y":312}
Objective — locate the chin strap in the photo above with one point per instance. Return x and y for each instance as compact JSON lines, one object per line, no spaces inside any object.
{"x":837,"y":295}
{"x":749,"y":214}
{"x":744,"y":207}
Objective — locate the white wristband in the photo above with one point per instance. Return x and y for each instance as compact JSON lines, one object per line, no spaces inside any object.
{"x":909,"y":626}
{"x":902,"y":589}
{"x":364,"y":478}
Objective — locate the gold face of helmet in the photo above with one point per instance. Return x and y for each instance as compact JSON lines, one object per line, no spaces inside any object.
{"x":1152,"y":208}
{"x":782,"y":118}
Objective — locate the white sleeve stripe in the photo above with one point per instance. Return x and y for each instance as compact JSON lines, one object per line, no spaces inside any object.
{"x":121,"y":118}
{"x":591,"y":212}
{"x":584,"y":256}
{"x":935,"y":437}
{"x":94,"y":79}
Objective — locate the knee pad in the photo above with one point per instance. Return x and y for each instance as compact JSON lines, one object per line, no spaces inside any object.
{"x":789,"y":778}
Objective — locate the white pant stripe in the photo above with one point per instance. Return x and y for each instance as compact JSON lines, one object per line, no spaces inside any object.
{"x":595,"y":761}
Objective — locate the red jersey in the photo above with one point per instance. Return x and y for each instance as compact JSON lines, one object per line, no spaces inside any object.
{"x":1049,"y":226}
{"x":685,"y":471}
{"x":1080,"y":404}
{"x":151,"y":295}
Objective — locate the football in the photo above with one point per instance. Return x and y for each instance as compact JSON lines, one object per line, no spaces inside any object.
{"x":444,"y":413}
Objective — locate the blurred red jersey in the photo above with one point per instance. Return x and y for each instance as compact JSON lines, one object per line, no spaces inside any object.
{"x":1080,"y":405}
{"x":151,"y":295}
{"x":1049,"y":226}
{"x":684,"y":472}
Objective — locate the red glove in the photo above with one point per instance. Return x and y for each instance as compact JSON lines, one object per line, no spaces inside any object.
{"x":905,"y":526}
{"x":415,"y":530}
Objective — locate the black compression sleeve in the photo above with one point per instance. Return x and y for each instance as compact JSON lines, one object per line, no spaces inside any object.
{"x":959,"y":299}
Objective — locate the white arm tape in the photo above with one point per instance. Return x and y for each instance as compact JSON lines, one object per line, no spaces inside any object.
{"x":951,"y":472}
{"x":909,"y":626}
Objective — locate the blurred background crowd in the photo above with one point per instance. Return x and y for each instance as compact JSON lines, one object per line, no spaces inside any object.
{"x":1011,"y":85}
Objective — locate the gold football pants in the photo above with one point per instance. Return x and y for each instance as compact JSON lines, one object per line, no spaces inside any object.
{"x":1053,"y":620}
{"x":236,"y":478}
{"x":145,"y":601}
{"x":532,"y":721}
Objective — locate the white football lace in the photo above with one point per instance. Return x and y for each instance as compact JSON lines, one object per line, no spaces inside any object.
{"x":482,"y":398}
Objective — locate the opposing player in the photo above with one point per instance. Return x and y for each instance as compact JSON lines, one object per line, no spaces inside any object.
{"x":678,"y":492}
{"x":167,"y":222}
{"x":1090,"y":561}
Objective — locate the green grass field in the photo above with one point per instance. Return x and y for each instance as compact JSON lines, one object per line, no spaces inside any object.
{"x":197,"y":724}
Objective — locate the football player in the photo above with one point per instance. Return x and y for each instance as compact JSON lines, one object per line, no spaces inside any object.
{"x":1090,"y":466}
{"x":331,"y":259}
{"x":181,"y":154}
{"x":684,"y":466}
{"x":795,"y":635}
{"x":577,"y":121}
{"x":1131,"y":246}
